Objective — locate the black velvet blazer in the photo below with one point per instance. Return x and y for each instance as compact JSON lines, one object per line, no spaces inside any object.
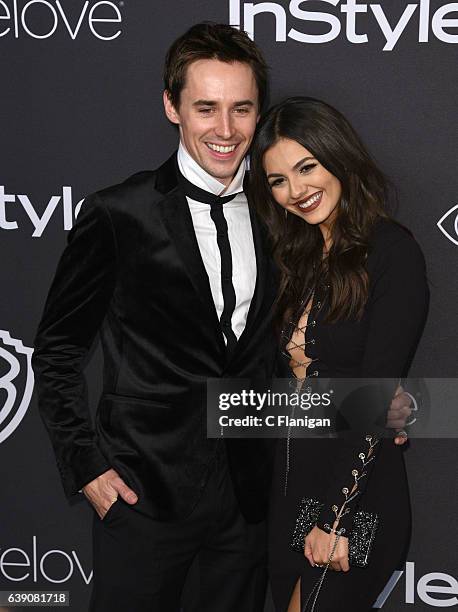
{"x":133,"y":271}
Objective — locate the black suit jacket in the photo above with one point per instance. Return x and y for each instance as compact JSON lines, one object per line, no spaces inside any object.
{"x":133,"y":271}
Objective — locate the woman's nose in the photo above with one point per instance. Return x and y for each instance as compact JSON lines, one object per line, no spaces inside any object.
{"x":298,"y":189}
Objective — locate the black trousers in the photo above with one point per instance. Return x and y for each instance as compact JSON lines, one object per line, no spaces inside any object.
{"x":140,"y":565}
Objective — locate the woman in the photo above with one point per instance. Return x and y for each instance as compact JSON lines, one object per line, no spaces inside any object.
{"x":352,"y":303}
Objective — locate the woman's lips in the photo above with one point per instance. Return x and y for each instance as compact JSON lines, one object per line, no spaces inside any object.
{"x":311,"y":203}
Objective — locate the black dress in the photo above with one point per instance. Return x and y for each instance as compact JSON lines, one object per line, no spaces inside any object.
{"x":381,"y":344}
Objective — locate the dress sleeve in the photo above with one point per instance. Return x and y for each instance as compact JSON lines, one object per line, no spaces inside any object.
{"x":397,"y":309}
{"x":76,"y":305}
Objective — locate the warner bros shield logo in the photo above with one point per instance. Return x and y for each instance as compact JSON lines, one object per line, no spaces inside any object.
{"x":16,"y":383}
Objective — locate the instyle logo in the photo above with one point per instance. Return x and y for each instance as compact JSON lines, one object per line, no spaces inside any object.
{"x":448,"y":224}
{"x":35,"y":564}
{"x":429,"y":23}
{"x":43,"y":18}
{"x":13,"y":206}
{"x":435,"y":589}
{"x":16,"y":383}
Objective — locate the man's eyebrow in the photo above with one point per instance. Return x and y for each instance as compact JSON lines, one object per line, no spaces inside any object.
{"x":295,"y":167}
{"x":204,"y":103}
{"x":244,"y":103}
{"x":213,"y":103}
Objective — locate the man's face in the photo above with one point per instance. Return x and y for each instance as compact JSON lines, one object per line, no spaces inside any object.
{"x":217,"y":115}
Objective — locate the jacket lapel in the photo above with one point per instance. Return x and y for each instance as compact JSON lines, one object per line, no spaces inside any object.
{"x":265,"y":289}
{"x":261,"y":271}
{"x":177,"y":220}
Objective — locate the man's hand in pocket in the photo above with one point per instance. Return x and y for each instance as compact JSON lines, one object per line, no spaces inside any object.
{"x":103,"y":491}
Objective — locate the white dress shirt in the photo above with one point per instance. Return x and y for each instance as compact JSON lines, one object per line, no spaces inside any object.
{"x":238,"y":221}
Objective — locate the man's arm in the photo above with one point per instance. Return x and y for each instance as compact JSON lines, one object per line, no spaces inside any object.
{"x":75,"y":308}
{"x":399,"y":415}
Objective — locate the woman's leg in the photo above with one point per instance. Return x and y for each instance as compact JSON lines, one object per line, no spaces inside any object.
{"x":295,"y":601}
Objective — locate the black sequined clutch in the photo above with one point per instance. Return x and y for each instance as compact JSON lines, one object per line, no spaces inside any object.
{"x":360,"y":540}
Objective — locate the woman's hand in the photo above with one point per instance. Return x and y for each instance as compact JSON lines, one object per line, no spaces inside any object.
{"x":318,"y":547}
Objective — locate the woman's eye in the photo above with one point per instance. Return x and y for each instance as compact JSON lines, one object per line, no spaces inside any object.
{"x":307,"y":168}
{"x":276,"y":182}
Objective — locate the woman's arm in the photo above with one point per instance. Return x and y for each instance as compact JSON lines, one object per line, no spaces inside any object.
{"x":397,"y":309}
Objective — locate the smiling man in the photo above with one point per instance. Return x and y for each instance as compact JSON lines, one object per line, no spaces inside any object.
{"x":171,"y":267}
{"x":216,"y":112}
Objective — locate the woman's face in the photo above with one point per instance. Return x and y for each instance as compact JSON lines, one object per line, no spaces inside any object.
{"x":301,"y":184}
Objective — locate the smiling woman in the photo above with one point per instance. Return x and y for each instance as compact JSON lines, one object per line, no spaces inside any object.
{"x":302,"y":187}
{"x":308,"y":160}
{"x":352,"y":304}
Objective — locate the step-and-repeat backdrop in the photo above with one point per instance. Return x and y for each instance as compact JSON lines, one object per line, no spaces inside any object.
{"x":80,"y":108}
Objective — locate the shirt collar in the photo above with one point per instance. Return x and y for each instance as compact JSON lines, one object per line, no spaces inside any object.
{"x":199,"y":177}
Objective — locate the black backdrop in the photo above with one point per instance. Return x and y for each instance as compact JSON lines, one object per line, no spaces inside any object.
{"x":81,"y":109}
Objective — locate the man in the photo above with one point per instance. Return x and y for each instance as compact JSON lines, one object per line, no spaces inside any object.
{"x":172,"y":268}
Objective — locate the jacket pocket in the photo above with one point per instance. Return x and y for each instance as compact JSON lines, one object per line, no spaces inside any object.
{"x":132,"y":418}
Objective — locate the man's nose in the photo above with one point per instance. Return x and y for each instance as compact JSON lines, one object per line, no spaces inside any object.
{"x":224,"y":127}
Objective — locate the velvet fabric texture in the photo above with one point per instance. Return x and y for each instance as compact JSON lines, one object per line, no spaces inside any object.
{"x":133,"y":271}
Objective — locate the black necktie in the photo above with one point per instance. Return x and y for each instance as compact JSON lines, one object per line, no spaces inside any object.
{"x":217,"y":214}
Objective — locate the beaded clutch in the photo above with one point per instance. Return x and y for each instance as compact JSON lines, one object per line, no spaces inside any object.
{"x":361,"y":538}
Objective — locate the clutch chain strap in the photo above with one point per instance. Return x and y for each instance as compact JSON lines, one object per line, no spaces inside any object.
{"x":319,"y":583}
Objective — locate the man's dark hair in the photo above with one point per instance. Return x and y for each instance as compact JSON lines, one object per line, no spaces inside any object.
{"x":212,"y":41}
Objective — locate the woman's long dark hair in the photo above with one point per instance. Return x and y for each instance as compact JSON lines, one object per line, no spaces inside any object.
{"x":298,"y":246}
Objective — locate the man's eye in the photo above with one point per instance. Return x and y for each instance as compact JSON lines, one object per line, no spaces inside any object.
{"x":242,"y":111}
{"x":205,"y":111}
{"x":307,"y":168}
